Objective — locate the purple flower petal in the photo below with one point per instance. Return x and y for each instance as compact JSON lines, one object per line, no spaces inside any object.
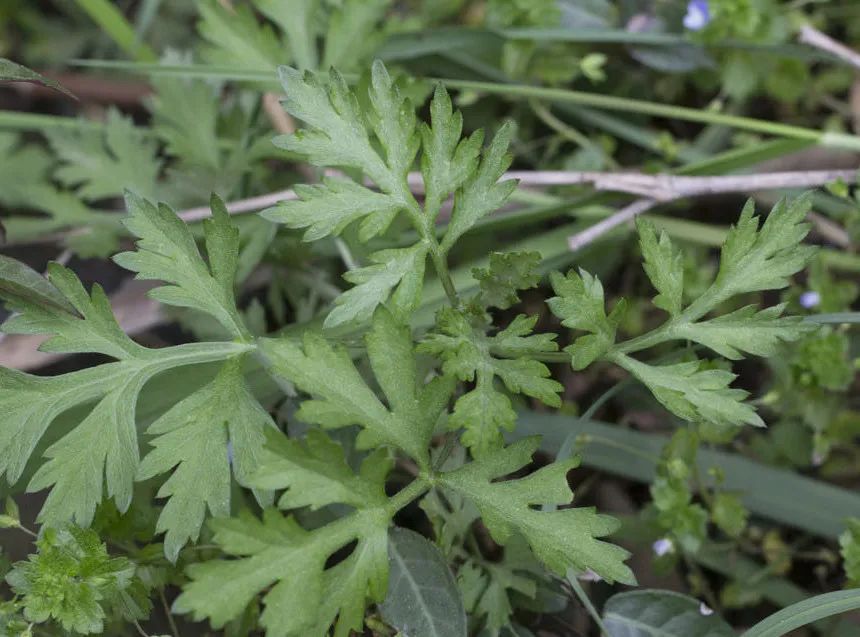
{"x":810,"y":299}
{"x":698,"y":15}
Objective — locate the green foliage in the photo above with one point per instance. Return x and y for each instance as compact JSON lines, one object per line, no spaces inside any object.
{"x":849,"y":548}
{"x":167,"y":252}
{"x":422,"y":595}
{"x":753,"y":259}
{"x":654,"y":613}
{"x":13,"y":72}
{"x":309,"y":420}
{"x":101,"y":164}
{"x":561,"y":539}
{"x":342,"y":397}
{"x":340,"y":134}
{"x":468,"y":354}
{"x":276,"y":554}
{"x":508,"y":273}
{"x":74,"y":581}
{"x":678,"y":515}
{"x":100,"y":456}
{"x":221,"y":420}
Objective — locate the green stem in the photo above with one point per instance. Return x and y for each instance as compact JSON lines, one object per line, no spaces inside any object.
{"x":407,"y":494}
{"x":426,"y":229}
{"x":569,"y":132}
{"x":614,"y":103}
{"x":580,"y":593}
{"x":441,"y":266}
{"x":15,"y":120}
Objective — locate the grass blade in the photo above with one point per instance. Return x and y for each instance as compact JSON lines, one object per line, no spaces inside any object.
{"x":806,"y":612}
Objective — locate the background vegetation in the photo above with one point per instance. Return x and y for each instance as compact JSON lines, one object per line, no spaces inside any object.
{"x":174,"y":101}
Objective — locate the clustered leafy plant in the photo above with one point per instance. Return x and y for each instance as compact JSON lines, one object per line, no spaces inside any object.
{"x":365,"y":418}
{"x":434,"y":406}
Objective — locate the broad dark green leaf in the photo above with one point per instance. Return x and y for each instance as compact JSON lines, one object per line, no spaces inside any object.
{"x":423,"y":599}
{"x":653,"y":613}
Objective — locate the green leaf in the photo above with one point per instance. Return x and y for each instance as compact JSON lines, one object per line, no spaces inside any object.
{"x":337,"y":133}
{"x":352,"y":33}
{"x":823,"y":360}
{"x":482,"y":193}
{"x":483,"y":413}
{"x":73,"y":580}
{"x":805,"y":612}
{"x":491,"y":590}
{"x":580,"y":306}
{"x":341,"y":396}
{"x":100,"y":455}
{"x":296,"y":19}
{"x":849,"y":549}
{"x":166,"y":251}
{"x":218,"y":428}
{"x":468,"y":354}
{"x":447,"y":161}
{"x":102,"y":449}
{"x":397,"y":273}
{"x":393,"y":122}
{"x":561,"y":539}
{"x":13,"y":72}
{"x":653,"y":613}
{"x":185,"y":116}
{"x":101,"y":164}
{"x":303,"y":595}
{"x":236,"y":38}
{"x":729,"y":513}
{"x":423,"y":599}
{"x":316,"y":474}
{"x":756,"y":259}
{"x":508,"y":273}
{"x":330,"y":207}
{"x":694,"y":393}
{"x":97,"y":232}
{"x":90,"y":327}
{"x":452,"y":517}
{"x":760,"y":333}
{"x":752,"y":260}
{"x":664,"y":265}
{"x":21,"y":283}
{"x":288,"y":563}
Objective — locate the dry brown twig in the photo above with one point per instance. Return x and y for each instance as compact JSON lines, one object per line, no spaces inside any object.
{"x":667,"y":188}
{"x":823,"y":42}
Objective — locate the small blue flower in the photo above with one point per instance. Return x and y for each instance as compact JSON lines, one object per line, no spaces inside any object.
{"x":698,"y":15}
{"x":663,"y":546}
{"x":810,"y":299}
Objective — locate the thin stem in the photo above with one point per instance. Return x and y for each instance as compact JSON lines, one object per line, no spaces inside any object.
{"x":425,"y":228}
{"x":407,"y":494}
{"x":583,"y":597}
{"x":569,"y":132}
{"x":24,"y":529}
{"x":623,"y":104}
{"x":140,"y":630}
{"x":173,"y":628}
{"x":441,"y":266}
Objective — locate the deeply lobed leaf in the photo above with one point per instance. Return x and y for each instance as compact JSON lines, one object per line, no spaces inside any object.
{"x":561,"y":539}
